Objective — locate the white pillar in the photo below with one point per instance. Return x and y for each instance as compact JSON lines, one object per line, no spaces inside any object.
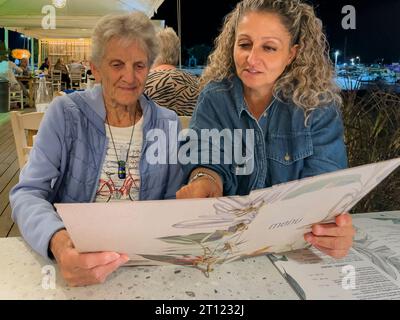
{"x":32,"y":52}
{"x":6,"y":38}
{"x":178,"y":4}
{"x":40,"y":53}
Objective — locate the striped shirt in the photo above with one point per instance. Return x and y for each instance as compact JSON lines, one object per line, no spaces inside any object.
{"x":174,"y":89}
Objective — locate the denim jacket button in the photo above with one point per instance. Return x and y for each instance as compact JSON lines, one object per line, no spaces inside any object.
{"x":287,"y":157}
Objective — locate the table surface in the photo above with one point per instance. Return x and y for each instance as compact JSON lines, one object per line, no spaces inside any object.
{"x":23,"y":273}
{"x":21,"y":277}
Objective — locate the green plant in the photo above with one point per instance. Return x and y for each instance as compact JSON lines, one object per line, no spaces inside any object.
{"x":372,"y":134}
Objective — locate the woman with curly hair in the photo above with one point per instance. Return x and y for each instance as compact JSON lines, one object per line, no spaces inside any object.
{"x":270,"y":74}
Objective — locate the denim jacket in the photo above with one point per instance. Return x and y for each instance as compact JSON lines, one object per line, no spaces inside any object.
{"x":288,"y":144}
{"x":65,"y":163}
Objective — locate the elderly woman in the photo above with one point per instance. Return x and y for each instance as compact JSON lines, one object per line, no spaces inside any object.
{"x":270,"y":73}
{"x":168,"y":86}
{"x":92,"y":140}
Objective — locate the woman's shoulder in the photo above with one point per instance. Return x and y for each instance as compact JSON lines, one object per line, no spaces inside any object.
{"x":62,"y":102}
{"x":286,"y":105}
{"x":326,"y":110}
{"x":216,"y":86}
{"x":76,"y":102}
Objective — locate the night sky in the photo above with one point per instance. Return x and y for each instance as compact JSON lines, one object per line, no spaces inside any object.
{"x":377,"y":33}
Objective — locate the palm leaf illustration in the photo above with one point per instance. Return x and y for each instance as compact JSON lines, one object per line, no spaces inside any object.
{"x":319,"y":185}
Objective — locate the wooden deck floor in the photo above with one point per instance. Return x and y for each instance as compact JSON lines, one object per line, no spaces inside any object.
{"x":9,"y":173}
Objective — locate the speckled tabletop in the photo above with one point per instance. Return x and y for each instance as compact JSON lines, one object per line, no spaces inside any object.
{"x":26,"y":275}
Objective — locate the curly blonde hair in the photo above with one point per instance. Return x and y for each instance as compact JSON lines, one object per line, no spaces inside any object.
{"x":308,"y":81}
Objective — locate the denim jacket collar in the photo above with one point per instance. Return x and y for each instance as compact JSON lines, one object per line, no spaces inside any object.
{"x":238,"y":96}
{"x":237,"y":93}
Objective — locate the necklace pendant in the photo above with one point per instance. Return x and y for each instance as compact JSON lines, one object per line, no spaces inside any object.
{"x":121,"y":169}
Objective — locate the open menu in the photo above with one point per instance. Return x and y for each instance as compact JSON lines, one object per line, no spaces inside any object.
{"x":370,"y":272}
{"x":205,"y":232}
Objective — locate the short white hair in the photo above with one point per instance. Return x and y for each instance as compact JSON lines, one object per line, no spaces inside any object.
{"x":128,"y":27}
{"x":170,"y":46}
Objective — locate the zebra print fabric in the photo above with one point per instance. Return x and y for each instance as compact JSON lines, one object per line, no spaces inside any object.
{"x":174,"y":89}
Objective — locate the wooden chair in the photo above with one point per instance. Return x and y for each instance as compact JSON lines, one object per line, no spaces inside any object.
{"x":15,"y":97}
{"x":24,"y":126}
{"x":185,"y":120}
{"x":56,"y":80}
{"x":76,"y":80}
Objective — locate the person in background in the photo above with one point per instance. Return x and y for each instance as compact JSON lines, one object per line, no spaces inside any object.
{"x":75,"y":72}
{"x":46,"y":66}
{"x":91,"y":137}
{"x":14,"y":83}
{"x":13,"y":69}
{"x":75,"y":67}
{"x":170,"y":87}
{"x":60,"y":65}
{"x":24,"y":66}
{"x":271,"y":72}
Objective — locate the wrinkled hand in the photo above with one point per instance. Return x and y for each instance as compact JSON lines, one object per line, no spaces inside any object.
{"x":200,"y":188}
{"x":80,"y":269}
{"x":334,"y":239}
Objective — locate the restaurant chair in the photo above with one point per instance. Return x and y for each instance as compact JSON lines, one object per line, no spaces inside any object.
{"x":76,"y":80}
{"x":56,"y":80}
{"x":15,"y":97}
{"x":24,"y":126}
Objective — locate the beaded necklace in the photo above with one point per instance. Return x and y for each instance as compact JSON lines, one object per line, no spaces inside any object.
{"x":122,"y":163}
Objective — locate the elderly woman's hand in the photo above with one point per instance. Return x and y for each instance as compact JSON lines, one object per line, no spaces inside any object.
{"x":80,"y":269}
{"x":334,"y":239}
